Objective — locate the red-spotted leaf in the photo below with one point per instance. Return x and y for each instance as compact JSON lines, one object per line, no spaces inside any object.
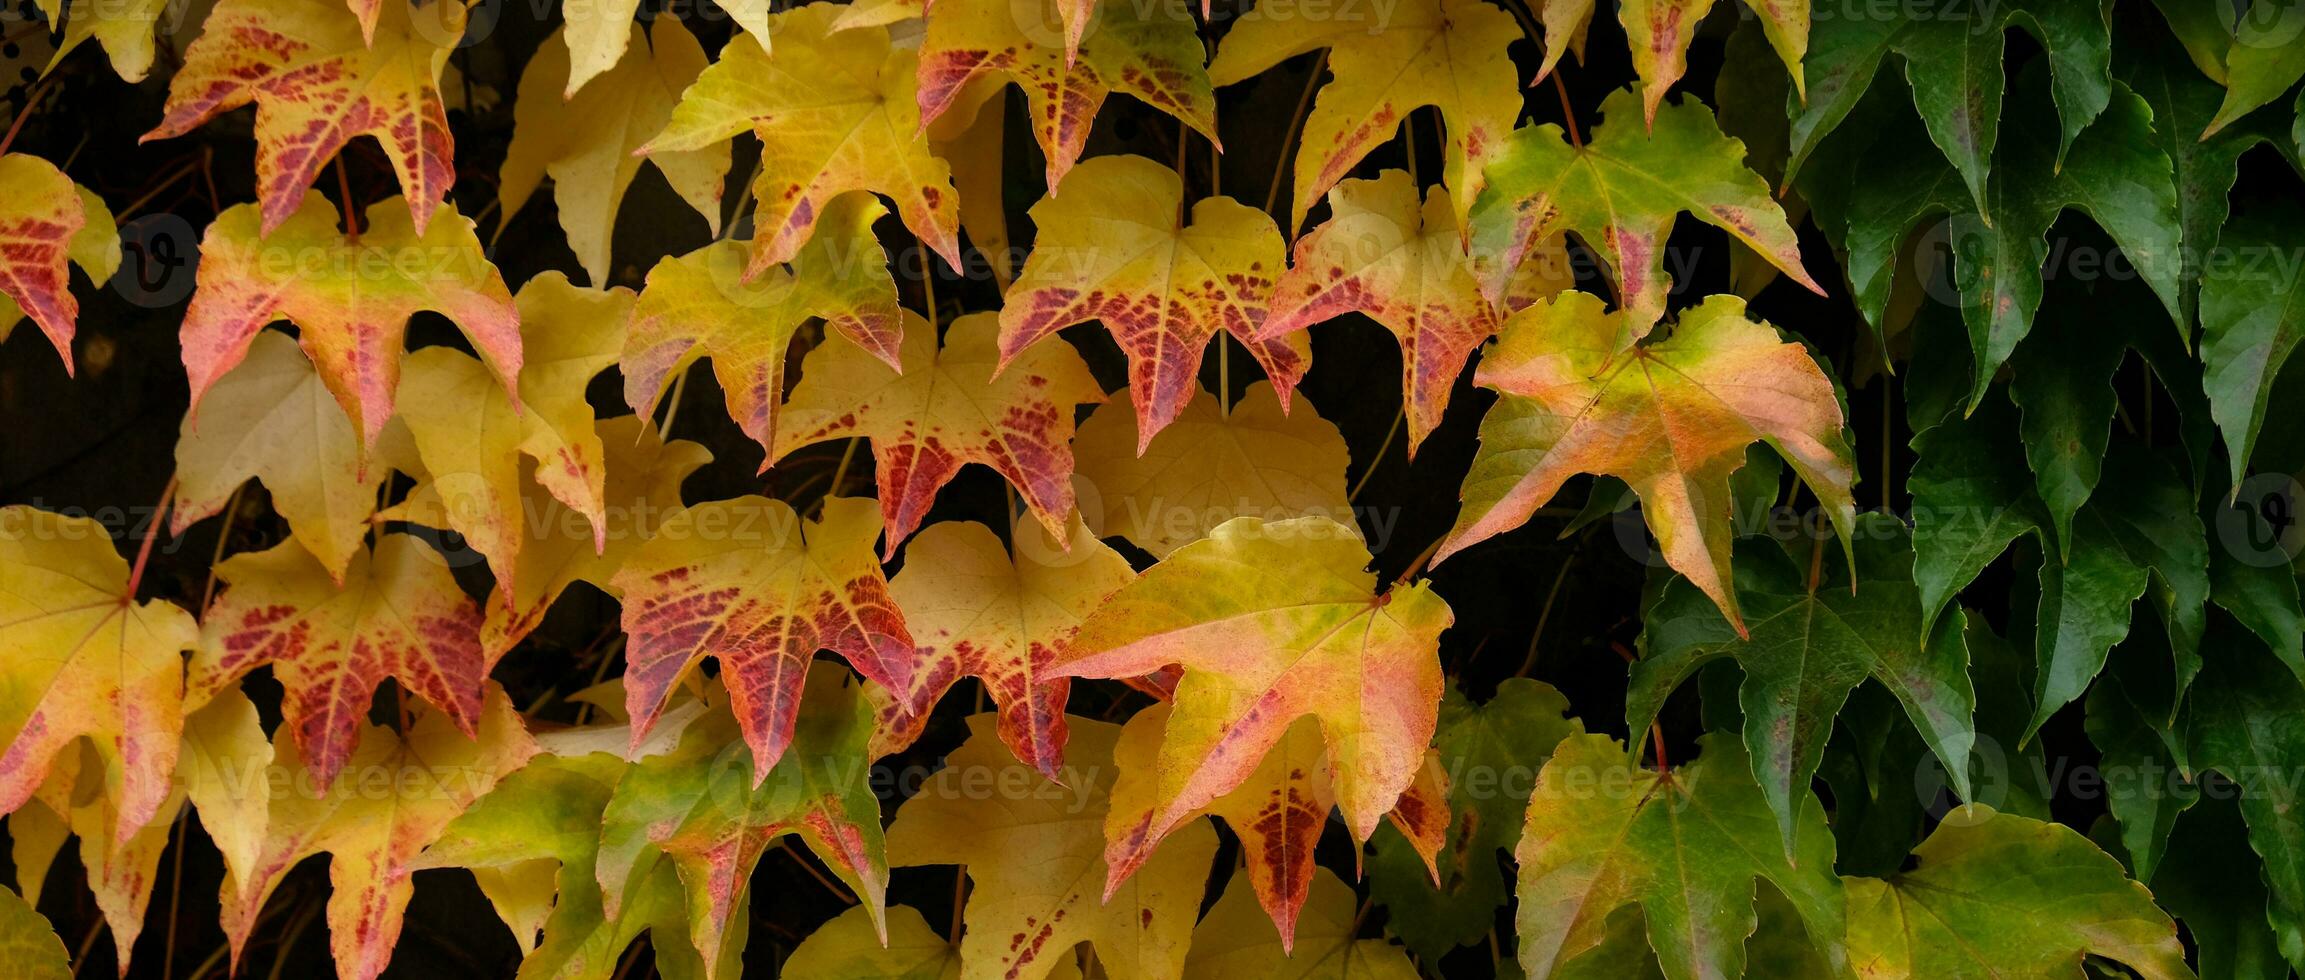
{"x":1149,"y":50}
{"x":977,"y":612}
{"x":1620,"y":194}
{"x":835,"y":112}
{"x":1115,"y":248}
{"x":350,"y":298}
{"x":947,"y":409}
{"x":411,"y":786}
{"x":749,"y":583}
{"x":1273,"y":622}
{"x":47,"y":224}
{"x":80,"y":657}
{"x":1671,"y":418}
{"x":1404,"y":266}
{"x":399,"y":614}
{"x":700,"y":305}
{"x":319,"y":80}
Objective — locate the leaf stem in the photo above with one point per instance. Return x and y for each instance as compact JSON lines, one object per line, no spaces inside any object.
{"x":805,"y":865}
{"x":31,"y":102}
{"x":1545,"y":614}
{"x":151,"y":531}
{"x":1568,"y":115}
{"x":1374,"y":461}
{"x":1289,"y":138}
{"x":344,"y":202}
{"x":1656,"y":728}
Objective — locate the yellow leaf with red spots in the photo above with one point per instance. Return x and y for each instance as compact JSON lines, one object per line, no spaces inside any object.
{"x":1152,"y":51}
{"x":319,"y":79}
{"x":350,"y":298}
{"x":80,"y":657}
{"x":399,"y":614}
{"x":1116,"y":248}
{"x":1279,"y":812}
{"x":836,"y":113}
{"x":1672,"y":418}
{"x":977,"y":612}
{"x":1386,"y":63}
{"x":947,"y":409}
{"x":401,"y":791}
{"x":1659,"y":32}
{"x":702,"y":305}
{"x":47,"y":225}
{"x":1620,"y":194}
{"x":1275,"y":621}
{"x":1404,"y":265}
{"x":751,"y":584}
{"x":1034,"y":854}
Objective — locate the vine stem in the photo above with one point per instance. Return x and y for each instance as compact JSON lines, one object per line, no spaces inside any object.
{"x":829,"y":884}
{"x":175,"y":894}
{"x":344,"y":201}
{"x":1545,"y":614}
{"x":1568,"y":114}
{"x":1296,"y":123}
{"x":1656,"y":729}
{"x":151,"y":531}
{"x":31,"y":101}
{"x":1377,"y":460}
{"x":1424,"y":556}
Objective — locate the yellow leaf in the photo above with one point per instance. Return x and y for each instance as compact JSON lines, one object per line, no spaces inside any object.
{"x":47,"y":221}
{"x":600,"y":31}
{"x":1232,"y":942}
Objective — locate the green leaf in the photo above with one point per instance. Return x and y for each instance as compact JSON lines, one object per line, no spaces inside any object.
{"x":2252,"y":316}
{"x":2265,"y":59}
{"x":2147,"y":536}
{"x":1490,"y":752}
{"x":1971,"y":493}
{"x":2003,"y":896}
{"x":1954,"y":66}
{"x":2248,"y":722}
{"x":1603,"y":833}
{"x":28,"y":944}
{"x":850,"y":948}
{"x":2147,"y":791}
{"x":1813,"y":638}
{"x":2250,"y":572}
{"x":2210,"y":881}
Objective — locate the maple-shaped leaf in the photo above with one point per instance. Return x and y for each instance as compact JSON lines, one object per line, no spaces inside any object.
{"x":700,"y":305}
{"x":2242,"y":722}
{"x":949,"y":407}
{"x":836,"y":113}
{"x":1117,"y":249}
{"x":2262,"y":60}
{"x":1404,"y":266}
{"x":585,"y":141}
{"x":600,"y":34}
{"x":1680,"y":847}
{"x":1490,"y":753}
{"x":2117,"y":175}
{"x":272,"y":419}
{"x":350,"y":298}
{"x":532,"y":844}
{"x":318,"y":81}
{"x":1211,"y":465}
{"x":1949,"y":914}
{"x":1151,"y":51}
{"x":398,"y":614}
{"x":1953,"y":65}
{"x":80,"y":657}
{"x":428,"y":774}
{"x":1619,"y":194}
{"x":119,"y":868}
{"x":1278,"y":813}
{"x":977,"y":612}
{"x":1659,"y":32}
{"x":1232,"y":942}
{"x":703,"y":807}
{"x":1036,"y":862}
{"x":29,"y":943}
{"x":125,"y":30}
{"x":563,"y":546}
{"x":1274,"y":621}
{"x":1811,"y":639}
{"x":750,"y":584}
{"x":47,"y":225}
{"x":1573,"y":400}
{"x":1449,"y":54}
{"x":471,"y":436}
